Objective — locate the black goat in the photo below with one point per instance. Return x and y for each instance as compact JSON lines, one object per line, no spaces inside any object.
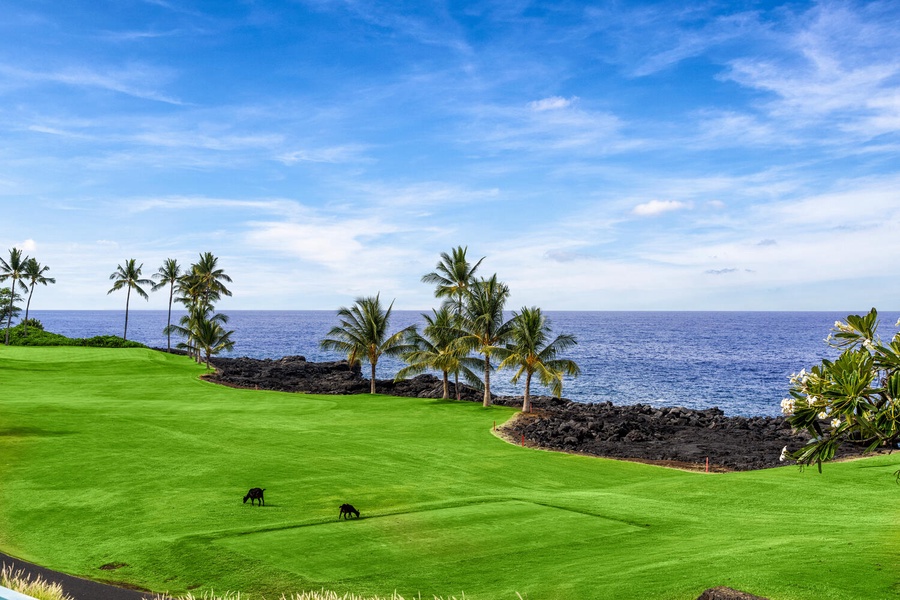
{"x":347,"y":510}
{"x":255,"y":494}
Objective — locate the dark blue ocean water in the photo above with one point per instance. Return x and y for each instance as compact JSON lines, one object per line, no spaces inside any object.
{"x":738,"y":361}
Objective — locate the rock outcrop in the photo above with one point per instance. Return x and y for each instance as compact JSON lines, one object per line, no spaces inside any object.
{"x":669,"y":434}
{"x":296,"y":374}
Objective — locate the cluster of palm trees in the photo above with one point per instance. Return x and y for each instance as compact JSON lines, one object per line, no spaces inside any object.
{"x":198,"y":288}
{"x":23,"y":273}
{"x":470,"y":322}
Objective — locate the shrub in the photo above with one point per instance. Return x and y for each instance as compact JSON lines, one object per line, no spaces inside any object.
{"x":855,"y":397}
{"x":35,"y":587}
{"x":38,"y":337}
{"x":310,"y":595}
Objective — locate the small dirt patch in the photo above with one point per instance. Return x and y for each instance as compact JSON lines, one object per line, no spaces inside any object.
{"x":112,"y":566}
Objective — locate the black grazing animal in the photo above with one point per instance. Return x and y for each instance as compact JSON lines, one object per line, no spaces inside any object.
{"x":347,"y":510}
{"x":255,"y":494}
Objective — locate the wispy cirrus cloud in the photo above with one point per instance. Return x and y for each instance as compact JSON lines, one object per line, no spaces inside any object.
{"x":658,"y":207}
{"x":131,"y":81}
{"x":550,"y":125}
{"x":836,"y":62}
{"x":330,"y":154}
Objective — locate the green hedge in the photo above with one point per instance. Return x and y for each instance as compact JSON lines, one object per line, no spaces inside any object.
{"x":38,"y":337}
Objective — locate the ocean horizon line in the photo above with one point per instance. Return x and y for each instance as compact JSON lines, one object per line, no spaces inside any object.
{"x":549,"y":310}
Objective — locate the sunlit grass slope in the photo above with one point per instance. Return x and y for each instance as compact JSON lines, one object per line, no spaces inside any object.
{"x":125,"y":456}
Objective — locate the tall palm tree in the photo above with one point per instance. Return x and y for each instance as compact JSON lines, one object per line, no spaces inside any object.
{"x":436,"y":348}
{"x":210,"y":278}
{"x":168,"y":274}
{"x":452,"y":277}
{"x":531,"y":351}
{"x":34,"y":274}
{"x":129,"y":277}
{"x":15,"y":271}
{"x":363,"y":334}
{"x":483,"y":324}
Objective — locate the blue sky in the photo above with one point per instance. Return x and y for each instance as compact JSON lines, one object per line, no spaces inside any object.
{"x":602,"y":156}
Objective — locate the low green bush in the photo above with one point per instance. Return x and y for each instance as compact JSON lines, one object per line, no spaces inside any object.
{"x":36,"y":336}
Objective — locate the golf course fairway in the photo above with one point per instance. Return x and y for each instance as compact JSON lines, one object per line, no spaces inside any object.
{"x":125,"y":459}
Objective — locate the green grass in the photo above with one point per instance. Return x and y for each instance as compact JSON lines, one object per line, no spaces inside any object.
{"x":125,"y":456}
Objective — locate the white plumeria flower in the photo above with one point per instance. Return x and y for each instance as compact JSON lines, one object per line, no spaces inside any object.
{"x":835,"y":423}
{"x":823,"y":414}
{"x":784,"y":454}
{"x":787,"y":406}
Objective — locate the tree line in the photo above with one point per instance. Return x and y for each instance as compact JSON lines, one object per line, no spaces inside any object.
{"x":470,"y":322}
{"x":24,"y":273}
{"x":197,"y":288}
{"x":468,"y":336}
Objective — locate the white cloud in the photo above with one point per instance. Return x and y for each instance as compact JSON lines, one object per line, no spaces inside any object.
{"x":553,"y":128}
{"x":552,"y":103}
{"x":333,"y":154}
{"x":286,"y":207}
{"x":836,"y":63}
{"x":657,"y":207}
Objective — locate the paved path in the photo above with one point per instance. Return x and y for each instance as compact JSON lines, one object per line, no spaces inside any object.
{"x":75,"y":587}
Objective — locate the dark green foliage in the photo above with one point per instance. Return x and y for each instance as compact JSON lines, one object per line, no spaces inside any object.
{"x":5,"y":305}
{"x":36,"y":336}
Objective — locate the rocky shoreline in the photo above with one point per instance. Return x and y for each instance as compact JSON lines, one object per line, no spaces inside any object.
{"x":672,"y":436}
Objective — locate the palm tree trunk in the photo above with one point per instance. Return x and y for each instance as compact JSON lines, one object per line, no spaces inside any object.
{"x":526,"y":404}
{"x":27,"y":306}
{"x":8,"y":322}
{"x":12,"y":303}
{"x":169,"y":322}
{"x":127,"y":300}
{"x":373,"y":378}
{"x":487,"y":380}
{"x":446,"y":387}
{"x":458,"y":324}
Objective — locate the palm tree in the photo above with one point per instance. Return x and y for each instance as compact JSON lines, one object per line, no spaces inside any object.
{"x":482,"y":322}
{"x":452,"y":277}
{"x":530,"y":351}
{"x":363,"y":334}
{"x":34,"y":274}
{"x":129,"y":277}
{"x":436,"y":348}
{"x":207,"y":275}
{"x":8,"y":304}
{"x":168,"y":273}
{"x":211,"y":338}
{"x":189,"y":326}
{"x":14,"y":270}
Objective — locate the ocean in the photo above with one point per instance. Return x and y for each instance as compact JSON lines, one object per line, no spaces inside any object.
{"x":737,"y":361}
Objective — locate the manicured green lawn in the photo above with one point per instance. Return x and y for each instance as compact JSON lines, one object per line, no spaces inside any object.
{"x":124,"y":456}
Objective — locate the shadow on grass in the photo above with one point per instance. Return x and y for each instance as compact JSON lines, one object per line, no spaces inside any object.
{"x":32,"y":432}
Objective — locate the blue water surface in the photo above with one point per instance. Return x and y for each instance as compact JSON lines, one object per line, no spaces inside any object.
{"x":738,"y":361}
